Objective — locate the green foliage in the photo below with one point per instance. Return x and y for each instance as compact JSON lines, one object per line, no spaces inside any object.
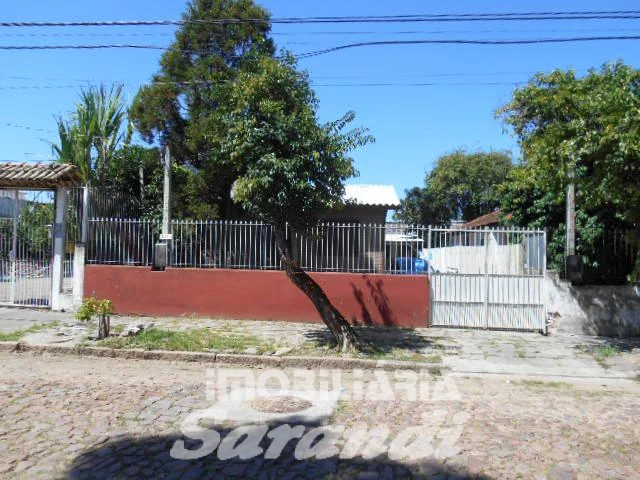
{"x":462,"y":186}
{"x":180,"y":107}
{"x":586,"y":128}
{"x":90,"y":139}
{"x":33,"y":229}
{"x":295,"y":167}
{"x":92,"y":307}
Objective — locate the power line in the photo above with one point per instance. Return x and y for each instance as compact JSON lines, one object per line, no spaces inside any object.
{"x":466,"y":42}
{"x":417,"y":84}
{"x":343,"y":47}
{"x":361,"y":32}
{"x":438,"y":32}
{"x":81,"y":47}
{"x":356,"y":84}
{"x":88,"y":34}
{"x":461,"y":17}
{"x":325,"y":77}
{"x":25,"y":127}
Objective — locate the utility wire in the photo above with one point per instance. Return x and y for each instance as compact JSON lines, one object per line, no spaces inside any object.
{"x":13,"y":125}
{"x":466,"y":42}
{"x":342,"y":47}
{"x":316,"y":77}
{"x":205,"y":83}
{"x":362,"y":32}
{"x":463,"y":17}
{"x":81,"y":47}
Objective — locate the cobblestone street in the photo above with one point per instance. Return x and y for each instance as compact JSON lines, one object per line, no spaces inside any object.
{"x":98,"y":418}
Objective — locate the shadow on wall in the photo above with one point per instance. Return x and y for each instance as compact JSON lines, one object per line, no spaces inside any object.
{"x":380,"y":300}
{"x":601,"y":310}
{"x":149,"y":457}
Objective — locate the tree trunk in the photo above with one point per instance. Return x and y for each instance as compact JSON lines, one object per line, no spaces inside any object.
{"x":103,"y":326}
{"x":343,"y":333}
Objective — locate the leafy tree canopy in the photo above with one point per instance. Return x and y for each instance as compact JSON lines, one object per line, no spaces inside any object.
{"x":462,"y":186}
{"x":180,"y":106}
{"x":585,"y":130}
{"x":295,"y":167}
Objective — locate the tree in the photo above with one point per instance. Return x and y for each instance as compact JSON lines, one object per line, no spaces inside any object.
{"x":179,"y":107}
{"x":91,"y":138}
{"x":295,"y":167}
{"x":462,"y":186}
{"x":585,"y":130}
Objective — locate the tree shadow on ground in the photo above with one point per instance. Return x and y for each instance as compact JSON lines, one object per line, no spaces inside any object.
{"x":619,"y":345}
{"x":149,"y":457}
{"x":382,"y":340}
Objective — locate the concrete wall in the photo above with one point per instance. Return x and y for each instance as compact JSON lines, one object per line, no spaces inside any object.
{"x":391,"y":300}
{"x":612,"y":311}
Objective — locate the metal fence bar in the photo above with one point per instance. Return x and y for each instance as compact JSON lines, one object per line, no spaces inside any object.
{"x":331,"y":247}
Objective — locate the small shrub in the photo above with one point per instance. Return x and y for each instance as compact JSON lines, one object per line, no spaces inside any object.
{"x":101,"y":308}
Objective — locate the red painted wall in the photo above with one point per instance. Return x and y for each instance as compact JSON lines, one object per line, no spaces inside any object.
{"x":392,"y":300}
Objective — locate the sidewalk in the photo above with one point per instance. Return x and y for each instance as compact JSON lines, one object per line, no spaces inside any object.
{"x":465,"y":352}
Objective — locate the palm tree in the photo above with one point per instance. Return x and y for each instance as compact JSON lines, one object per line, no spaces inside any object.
{"x":91,"y":138}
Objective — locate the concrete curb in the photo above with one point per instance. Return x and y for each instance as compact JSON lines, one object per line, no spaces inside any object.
{"x":259,"y":361}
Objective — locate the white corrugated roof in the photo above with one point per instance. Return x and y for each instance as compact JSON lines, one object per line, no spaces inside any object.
{"x":379,"y":195}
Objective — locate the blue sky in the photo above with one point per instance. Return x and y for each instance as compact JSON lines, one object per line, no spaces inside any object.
{"x":413,"y":125}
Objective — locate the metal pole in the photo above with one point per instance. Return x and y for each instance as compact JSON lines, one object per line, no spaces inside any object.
{"x":486,"y":279}
{"x":166,"y":205}
{"x":571,"y":218}
{"x":85,"y":215}
{"x":14,"y":245}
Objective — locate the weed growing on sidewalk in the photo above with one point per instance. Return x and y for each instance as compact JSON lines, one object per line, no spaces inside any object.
{"x":18,"y":334}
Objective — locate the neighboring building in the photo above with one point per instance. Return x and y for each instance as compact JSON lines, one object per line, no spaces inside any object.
{"x":367,"y":204}
{"x":352,"y":238}
{"x":489,"y":220}
{"x":8,"y":203}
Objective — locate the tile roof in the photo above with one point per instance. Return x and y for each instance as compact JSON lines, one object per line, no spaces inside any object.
{"x":38,"y":175}
{"x":376,"y":195}
{"x":492,"y":218}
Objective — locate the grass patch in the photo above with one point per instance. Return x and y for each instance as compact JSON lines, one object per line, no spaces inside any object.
{"x":542,"y":384}
{"x":603,"y":352}
{"x":433,"y":359}
{"x":376,"y":353}
{"x":200,"y":340}
{"x":118,"y":329}
{"x":606,"y":351}
{"x":18,"y":334}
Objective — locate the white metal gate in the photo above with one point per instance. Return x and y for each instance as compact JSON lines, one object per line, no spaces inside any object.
{"x":26,"y":222}
{"x":487,"y":278}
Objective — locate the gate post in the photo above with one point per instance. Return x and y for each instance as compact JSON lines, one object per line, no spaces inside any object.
{"x":486,"y":279}
{"x":57,"y":268}
{"x":14,"y":245}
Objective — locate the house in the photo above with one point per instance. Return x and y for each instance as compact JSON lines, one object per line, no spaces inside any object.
{"x":489,"y":220}
{"x":367,"y":204}
{"x":351,"y":238}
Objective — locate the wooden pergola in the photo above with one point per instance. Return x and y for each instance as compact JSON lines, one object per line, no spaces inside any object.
{"x":39,"y":176}
{"x":57,"y":177}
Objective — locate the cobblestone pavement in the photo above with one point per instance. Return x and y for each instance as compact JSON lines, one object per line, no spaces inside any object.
{"x":100,"y":418}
